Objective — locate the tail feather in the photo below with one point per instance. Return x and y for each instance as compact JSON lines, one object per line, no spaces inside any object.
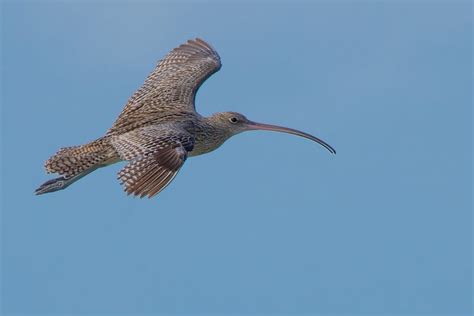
{"x":72,"y":163}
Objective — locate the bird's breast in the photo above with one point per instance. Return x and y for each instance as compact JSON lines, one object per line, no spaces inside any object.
{"x":203,"y":146}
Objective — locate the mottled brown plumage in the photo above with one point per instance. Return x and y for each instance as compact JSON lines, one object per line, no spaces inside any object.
{"x":158,"y":128}
{"x":169,"y":91}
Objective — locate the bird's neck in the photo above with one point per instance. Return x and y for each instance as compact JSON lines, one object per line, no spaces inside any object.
{"x":209,"y":135}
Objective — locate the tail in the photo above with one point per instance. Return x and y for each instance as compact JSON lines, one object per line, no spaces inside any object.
{"x":73,"y":163}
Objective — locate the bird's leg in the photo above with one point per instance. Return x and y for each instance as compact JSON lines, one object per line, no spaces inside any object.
{"x":61,"y":182}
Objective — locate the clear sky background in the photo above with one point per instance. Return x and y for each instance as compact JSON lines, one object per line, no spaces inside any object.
{"x":269,"y":223}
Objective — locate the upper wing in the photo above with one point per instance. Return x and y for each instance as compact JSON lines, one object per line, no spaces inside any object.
{"x":156,"y":158}
{"x":171,"y":86}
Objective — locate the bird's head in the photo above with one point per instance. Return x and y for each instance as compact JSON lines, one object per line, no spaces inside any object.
{"x":234,"y":123}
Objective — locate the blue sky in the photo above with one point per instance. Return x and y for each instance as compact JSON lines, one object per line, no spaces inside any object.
{"x":269,"y":223}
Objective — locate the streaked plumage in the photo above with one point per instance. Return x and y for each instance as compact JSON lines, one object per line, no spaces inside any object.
{"x":158,"y":128}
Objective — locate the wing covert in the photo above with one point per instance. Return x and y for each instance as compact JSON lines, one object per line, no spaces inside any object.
{"x":171,"y":86}
{"x":155,"y":158}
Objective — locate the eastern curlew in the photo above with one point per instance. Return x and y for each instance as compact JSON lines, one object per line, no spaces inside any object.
{"x":159,"y":128}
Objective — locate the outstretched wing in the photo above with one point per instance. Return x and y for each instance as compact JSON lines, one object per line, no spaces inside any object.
{"x":172,"y":85}
{"x":155,"y":158}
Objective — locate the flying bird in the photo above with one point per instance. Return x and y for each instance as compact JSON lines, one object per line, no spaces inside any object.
{"x":159,"y":128}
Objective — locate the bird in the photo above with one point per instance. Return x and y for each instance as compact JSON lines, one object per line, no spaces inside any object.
{"x":159,"y":128}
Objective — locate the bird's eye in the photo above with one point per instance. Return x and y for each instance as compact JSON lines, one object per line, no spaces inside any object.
{"x":233,"y":120}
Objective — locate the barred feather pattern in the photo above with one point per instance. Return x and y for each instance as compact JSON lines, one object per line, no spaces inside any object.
{"x":71,"y":161}
{"x":156,"y":131}
{"x":170,"y":89}
{"x":156,"y":154}
{"x":149,"y":139}
{"x":147,"y":176}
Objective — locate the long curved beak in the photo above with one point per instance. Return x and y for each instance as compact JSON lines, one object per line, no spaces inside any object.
{"x":276,"y":128}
